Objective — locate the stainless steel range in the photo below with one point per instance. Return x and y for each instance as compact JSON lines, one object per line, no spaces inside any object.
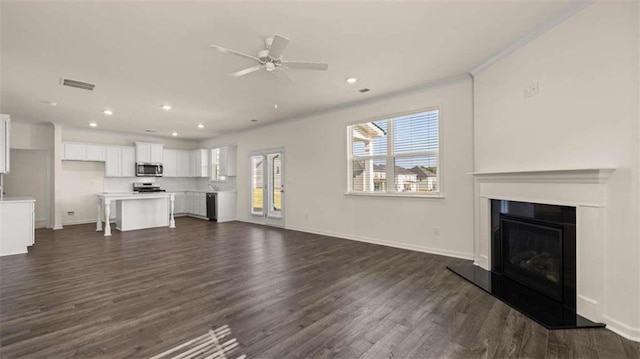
{"x":146,"y":187}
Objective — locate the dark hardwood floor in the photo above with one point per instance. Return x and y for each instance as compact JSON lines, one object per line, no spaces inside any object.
{"x":283,"y":293}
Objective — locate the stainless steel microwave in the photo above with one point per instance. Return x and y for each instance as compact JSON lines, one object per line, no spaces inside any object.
{"x":148,"y":169}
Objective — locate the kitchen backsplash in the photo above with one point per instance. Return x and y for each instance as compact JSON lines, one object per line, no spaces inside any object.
{"x":117,"y":185}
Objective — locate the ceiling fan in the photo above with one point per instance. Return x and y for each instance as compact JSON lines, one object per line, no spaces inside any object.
{"x":271,"y":58}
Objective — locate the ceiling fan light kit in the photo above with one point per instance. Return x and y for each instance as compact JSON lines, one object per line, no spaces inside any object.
{"x":271,"y":58}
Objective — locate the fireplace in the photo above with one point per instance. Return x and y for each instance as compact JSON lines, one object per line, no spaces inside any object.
{"x":535,"y":245}
{"x":533,"y":262}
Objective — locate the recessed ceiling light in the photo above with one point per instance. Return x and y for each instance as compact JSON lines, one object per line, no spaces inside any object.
{"x":275,"y":106}
{"x":166,"y":107}
{"x":352,"y":80}
{"x":107,"y":112}
{"x":174,"y":134}
{"x":200,"y":126}
{"x":150,"y":131}
{"x":93,"y":124}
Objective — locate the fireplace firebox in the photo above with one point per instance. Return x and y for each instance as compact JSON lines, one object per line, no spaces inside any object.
{"x":533,"y":262}
{"x":535,"y":245}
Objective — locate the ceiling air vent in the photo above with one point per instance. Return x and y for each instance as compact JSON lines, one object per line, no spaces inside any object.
{"x":364,"y":90}
{"x":78,"y":84}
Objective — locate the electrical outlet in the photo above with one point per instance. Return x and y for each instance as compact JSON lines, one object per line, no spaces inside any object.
{"x":534,"y":89}
{"x":531,"y":90}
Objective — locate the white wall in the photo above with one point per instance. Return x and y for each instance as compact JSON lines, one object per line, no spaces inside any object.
{"x":80,"y":182}
{"x":316,"y":176}
{"x":26,"y":135}
{"x":29,"y":176}
{"x":585,"y":116}
{"x":30,"y":136}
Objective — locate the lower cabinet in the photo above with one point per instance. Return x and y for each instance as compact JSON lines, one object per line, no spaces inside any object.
{"x":17,"y":225}
{"x":191,"y":203}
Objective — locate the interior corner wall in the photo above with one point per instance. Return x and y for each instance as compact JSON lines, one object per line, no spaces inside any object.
{"x":31,"y":136}
{"x":586,"y":115}
{"x":316,"y":176}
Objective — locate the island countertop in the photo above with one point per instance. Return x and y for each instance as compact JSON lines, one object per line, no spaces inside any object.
{"x":136,"y":210}
{"x":134,"y":195}
{"x":17,"y":199}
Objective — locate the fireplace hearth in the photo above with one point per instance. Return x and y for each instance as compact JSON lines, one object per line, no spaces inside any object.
{"x":533,"y":262}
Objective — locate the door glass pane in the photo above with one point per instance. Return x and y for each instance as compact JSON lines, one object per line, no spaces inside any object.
{"x":275,"y":184}
{"x":257,"y":193}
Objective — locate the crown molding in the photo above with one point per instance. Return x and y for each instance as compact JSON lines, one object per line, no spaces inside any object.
{"x":533,"y":34}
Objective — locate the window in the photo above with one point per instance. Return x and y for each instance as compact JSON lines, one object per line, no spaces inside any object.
{"x":398,"y":155}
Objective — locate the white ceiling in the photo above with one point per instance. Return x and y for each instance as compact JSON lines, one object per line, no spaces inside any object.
{"x":142,"y":54}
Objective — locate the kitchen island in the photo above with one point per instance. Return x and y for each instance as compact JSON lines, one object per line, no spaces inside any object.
{"x":136,"y":211}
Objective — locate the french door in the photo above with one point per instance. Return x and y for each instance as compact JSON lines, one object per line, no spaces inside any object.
{"x":267,"y":187}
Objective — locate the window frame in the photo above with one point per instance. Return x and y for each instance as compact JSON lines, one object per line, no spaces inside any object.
{"x":390,"y":157}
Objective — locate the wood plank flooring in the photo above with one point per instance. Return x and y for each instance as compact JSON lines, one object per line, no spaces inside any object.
{"x":283,"y":293}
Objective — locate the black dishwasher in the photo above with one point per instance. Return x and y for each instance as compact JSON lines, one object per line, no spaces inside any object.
{"x":211,"y":206}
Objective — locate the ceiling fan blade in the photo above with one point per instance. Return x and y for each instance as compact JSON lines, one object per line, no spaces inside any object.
{"x":246,"y":71}
{"x":282,"y":73}
{"x":224,"y":50}
{"x":278,"y":45}
{"x":306,"y":65}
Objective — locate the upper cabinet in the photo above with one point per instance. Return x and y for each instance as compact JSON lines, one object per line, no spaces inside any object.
{"x":199,"y":163}
{"x":83,"y":152}
{"x":120,"y":161}
{"x":223,"y":163}
{"x":170,"y":163}
{"x":149,"y":152}
{"x":5,"y":129}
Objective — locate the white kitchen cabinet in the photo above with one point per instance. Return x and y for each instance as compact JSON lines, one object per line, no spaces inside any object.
{"x":5,"y":136}
{"x":149,"y":152}
{"x":170,"y":163}
{"x":223,"y":163}
{"x":113,"y":163}
{"x":180,"y":203}
{"x":196,"y":204}
{"x":183,"y":166}
{"x":128,"y":161}
{"x":199,"y":163}
{"x":17,"y":224}
{"x":120,"y":161}
{"x":83,"y":152}
{"x":228,"y":161}
{"x":73,"y":151}
{"x":225,"y":206}
{"x":94,"y":153}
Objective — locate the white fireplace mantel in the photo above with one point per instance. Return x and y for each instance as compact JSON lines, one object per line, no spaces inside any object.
{"x":583,"y":188}
{"x":574,"y":175}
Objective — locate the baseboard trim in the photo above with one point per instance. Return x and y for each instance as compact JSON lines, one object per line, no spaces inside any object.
{"x":588,"y":308}
{"x":14,"y":253}
{"x":430,"y":250}
{"x":622,"y":329}
{"x":84,"y":221}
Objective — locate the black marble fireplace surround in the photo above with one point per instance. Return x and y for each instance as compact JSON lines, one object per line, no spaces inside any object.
{"x":533,"y":262}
